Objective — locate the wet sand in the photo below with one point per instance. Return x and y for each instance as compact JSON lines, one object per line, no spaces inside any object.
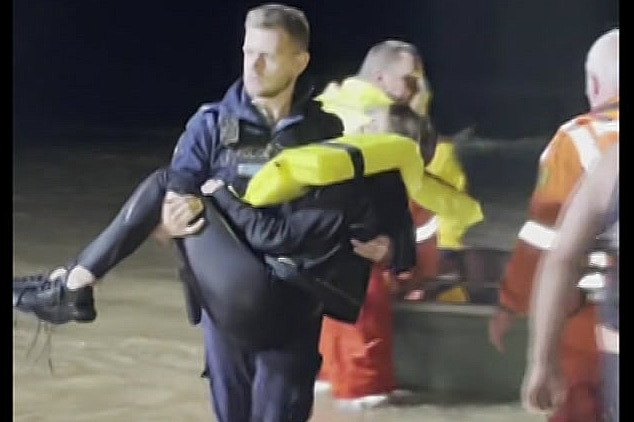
{"x":141,"y":360}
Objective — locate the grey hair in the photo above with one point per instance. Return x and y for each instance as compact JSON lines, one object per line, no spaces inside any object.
{"x":383,"y":54}
{"x":275,"y":15}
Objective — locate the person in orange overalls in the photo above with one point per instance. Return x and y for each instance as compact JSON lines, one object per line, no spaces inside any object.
{"x":357,"y":358}
{"x":589,"y":221}
{"x":573,"y":150}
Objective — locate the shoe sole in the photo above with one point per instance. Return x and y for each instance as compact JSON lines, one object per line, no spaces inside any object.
{"x":58,"y":318}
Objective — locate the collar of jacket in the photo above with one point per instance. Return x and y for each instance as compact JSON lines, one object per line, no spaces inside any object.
{"x":354,"y":93}
{"x":239,"y":103}
{"x":351,"y":100}
{"x":610,"y":105}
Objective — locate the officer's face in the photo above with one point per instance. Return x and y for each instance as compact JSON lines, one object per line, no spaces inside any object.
{"x":272,"y":61}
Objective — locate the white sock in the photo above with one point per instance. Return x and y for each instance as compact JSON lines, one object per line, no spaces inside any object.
{"x":79,"y":277}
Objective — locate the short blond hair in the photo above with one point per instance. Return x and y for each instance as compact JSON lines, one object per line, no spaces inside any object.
{"x":289,"y":18}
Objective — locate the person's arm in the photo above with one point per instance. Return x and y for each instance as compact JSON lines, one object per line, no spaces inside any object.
{"x":578,"y":225}
{"x":403,"y":259}
{"x":559,"y":171}
{"x":272,"y":232}
{"x":189,"y":168}
{"x":391,"y":201}
{"x":579,"y":222}
{"x":194,"y":153}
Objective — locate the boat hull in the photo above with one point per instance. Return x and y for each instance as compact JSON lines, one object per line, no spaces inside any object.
{"x":444,"y":349}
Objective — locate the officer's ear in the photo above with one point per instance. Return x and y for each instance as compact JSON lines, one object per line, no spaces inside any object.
{"x":302,"y":58}
{"x":595,"y":85}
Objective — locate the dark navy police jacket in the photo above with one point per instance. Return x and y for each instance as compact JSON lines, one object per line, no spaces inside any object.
{"x":202,"y":152}
{"x":200,"y":155}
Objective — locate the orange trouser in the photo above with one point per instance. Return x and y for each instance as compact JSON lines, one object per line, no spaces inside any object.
{"x":357,"y":358}
{"x":578,"y":354}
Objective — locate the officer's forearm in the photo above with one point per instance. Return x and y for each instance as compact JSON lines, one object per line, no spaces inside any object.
{"x":270,"y":231}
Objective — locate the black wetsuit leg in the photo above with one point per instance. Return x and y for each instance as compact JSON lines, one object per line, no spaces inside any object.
{"x":219,"y":271}
{"x":230,"y":281}
{"x":134,"y":223}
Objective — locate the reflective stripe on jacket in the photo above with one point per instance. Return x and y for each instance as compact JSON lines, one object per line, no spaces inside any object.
{"x":444,"y":188}
{"x":572,"y":151}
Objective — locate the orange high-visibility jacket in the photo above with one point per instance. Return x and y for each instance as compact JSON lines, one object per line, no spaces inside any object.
{"x":572,"y":151}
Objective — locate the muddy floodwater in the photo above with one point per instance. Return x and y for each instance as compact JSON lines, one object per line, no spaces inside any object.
{"x":141,"y":359}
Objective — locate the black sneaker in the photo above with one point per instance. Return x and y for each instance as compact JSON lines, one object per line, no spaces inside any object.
{"x":47,"y":296}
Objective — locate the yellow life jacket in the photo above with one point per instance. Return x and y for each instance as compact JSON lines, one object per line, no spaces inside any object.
{"x":295,"y":170}
{"x":446,"y":166}
{"x":455,"y":294}
{"x":351,"y":100}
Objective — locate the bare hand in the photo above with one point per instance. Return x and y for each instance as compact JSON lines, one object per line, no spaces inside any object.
{"x":543,"y":388}
{"x":211,"y":185}
{"x":378,"y":249}
{"x":420,"y":101}
{"x":499,"y":324}
{"x":398,"y":284}
{"x":178,"y":212}
{"x":161,"y":234}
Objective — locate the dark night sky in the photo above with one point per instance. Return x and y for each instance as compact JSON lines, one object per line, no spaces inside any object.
{"x":512,"y":67}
